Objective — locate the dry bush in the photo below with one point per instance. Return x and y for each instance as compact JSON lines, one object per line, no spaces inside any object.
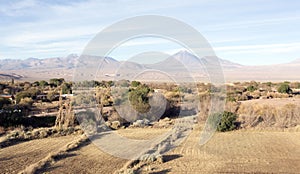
{"x":209,"y":104}
{"x":232,"y":106}
{"x":256,"y":115}
{"x":27,"y":101}
{"x":204,"y":105}
{"x":21,"y":134}
{"x":277,"y":95}
{"x":256,"y":94}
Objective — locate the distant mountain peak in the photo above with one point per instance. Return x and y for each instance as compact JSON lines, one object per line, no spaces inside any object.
{"x":186,"y":58}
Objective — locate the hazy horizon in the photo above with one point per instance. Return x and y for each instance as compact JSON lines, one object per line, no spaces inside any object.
{"x":136,"y":60}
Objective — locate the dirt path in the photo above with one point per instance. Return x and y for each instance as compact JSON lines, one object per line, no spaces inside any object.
{"x":234,"y":152}
{"x":17,"y":157}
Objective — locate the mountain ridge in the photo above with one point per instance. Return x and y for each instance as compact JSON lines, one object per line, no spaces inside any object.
{"x":179,"y":65}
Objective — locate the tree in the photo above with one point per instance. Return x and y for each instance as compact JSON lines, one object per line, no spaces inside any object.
{"x":66,"y":88}
{"x":284,"y":88}
{"x":56,"y":82}
{"x":43,"y":83}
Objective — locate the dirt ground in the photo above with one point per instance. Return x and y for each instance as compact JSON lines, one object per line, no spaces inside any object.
{"x":234,"y":152}
{"x":17,"y":157}
{"x":90,"y":159}
{"x":230,"y":152}
{"x":87,"y":159}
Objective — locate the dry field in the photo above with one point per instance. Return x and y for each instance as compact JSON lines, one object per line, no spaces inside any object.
{"x":17,"y":157}
{"x":231,"y":152}
{"x":234,"y":152}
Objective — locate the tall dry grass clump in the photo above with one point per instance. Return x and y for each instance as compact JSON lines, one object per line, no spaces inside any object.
{"x":264,"y":115}
{"x":66,"y":116}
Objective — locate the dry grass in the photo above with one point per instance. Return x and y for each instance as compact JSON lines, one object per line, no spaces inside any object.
{"x":20,"y":134}
{"x":15,"y":158}
{"x":278,"y":113}
{"x":233,"y":152}
{"x":33,"y":168}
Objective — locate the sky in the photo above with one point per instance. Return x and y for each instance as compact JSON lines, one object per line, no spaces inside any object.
{"x":249,"y":32}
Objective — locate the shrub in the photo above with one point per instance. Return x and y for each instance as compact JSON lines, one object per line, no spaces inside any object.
{"x":284,"y":88}
{"x":56,"y":82}
{"x":42,"y":83}
{"x":27,"y":102}
{"x":226,"y":121}
{"x":135,"y":83}
{"x":139,"y":98}
{"x":251,"y":88}
{"x":31,"y":93}
{"x":51,"y":95}
{"x":66,"y":88}
{"x":21,"y":95}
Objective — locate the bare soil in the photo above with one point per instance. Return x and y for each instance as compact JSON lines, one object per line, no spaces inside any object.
{"x":234,"y":152}
{"x":87,"y":159}
{"x":241,"y":151}
{"x":15,"y":158}
{"x":142,"y":133}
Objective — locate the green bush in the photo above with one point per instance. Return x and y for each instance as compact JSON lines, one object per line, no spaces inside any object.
{"x":225,"y":121}
{"x":284,"y":88}
{"x":139,"y":98}
{"x":251,"y":88}
{"x":135,"y":83}
{"x":66,"y":88}
{"x":21,"y":95}
{"x":56,"y":82}
{"x":43,"y":83}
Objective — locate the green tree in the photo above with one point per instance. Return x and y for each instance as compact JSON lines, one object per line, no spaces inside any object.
{"x":56,"y":81}
{"x":43,"y":83}
{"x":66,"y":88}
{"x":284,"y":88}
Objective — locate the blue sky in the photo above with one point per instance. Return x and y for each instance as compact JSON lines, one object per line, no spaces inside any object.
{"x":250,"y":32}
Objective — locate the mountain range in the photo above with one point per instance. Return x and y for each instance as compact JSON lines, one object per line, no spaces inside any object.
{"x":180,"y":66}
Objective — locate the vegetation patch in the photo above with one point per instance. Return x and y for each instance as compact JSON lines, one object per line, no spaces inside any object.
{"x":223,"y":122}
